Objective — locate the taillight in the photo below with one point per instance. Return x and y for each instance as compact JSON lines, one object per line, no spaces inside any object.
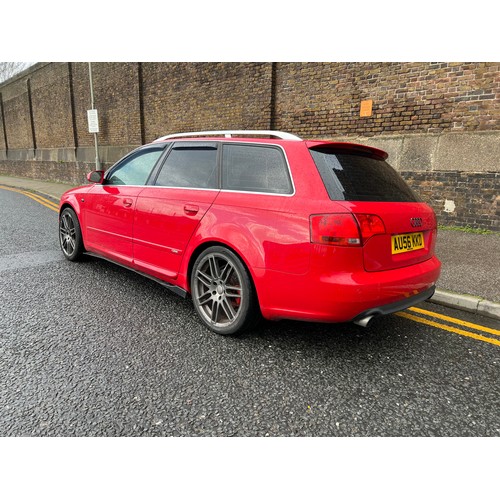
{"x":345,"y":229}
{"x":335,"y":229}
{"x":370,"y":225}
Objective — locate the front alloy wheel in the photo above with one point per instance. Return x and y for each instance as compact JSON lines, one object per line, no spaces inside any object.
{"x":222,"y":291}
{"x":70,"y":235}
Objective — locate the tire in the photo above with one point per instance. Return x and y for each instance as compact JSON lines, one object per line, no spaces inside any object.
{"x":70,"y":235}
{"x":223,"y":293}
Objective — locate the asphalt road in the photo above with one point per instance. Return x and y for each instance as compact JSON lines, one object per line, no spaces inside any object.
{"x":90,"y":349}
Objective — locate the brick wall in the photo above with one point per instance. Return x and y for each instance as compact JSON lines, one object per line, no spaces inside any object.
{"x":116,"y":96}
{"x":460,"y":198}
{"x":309,"y":99}
{"x":323,"y":99}
{"x":51,"y":107}
{"x":200,"y":96}
{"x":440,"y":122}
{"x":17,"y":114}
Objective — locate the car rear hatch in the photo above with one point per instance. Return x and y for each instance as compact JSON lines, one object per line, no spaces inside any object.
{"x":396,"y":228}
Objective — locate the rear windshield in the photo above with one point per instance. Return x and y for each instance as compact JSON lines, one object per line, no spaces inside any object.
{"x":358,"y":177}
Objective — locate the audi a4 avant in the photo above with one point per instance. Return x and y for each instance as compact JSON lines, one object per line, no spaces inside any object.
{"x":260,"y":223}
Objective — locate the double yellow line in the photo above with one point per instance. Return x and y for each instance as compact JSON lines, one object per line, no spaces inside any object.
{"x":449,"y":328}
{"x":39,"y":199}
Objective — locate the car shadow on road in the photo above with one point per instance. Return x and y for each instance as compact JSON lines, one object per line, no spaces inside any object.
{"x":382,"y":333}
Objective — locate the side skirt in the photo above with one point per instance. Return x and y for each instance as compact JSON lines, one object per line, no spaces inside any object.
{"x":173,"y":288}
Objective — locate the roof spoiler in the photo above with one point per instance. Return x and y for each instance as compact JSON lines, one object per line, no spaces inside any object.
{"x":362,"y":148}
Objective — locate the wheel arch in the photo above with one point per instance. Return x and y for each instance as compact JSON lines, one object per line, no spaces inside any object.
{"x":215,"y":243}
{"x":69,"y":203}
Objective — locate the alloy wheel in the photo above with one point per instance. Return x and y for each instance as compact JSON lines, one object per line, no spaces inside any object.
{"x":67,"y":234}
{"x":218,"y":290}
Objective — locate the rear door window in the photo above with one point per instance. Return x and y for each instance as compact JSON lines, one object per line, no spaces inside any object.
{"x":359,"y":177}
{"x":190,"y":165}
{"x":255,"y":168}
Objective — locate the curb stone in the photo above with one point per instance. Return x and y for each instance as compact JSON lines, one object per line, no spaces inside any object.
{"x":469,"y":303}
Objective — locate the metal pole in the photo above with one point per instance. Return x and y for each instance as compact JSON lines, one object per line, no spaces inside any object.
{"x":97,"y":162}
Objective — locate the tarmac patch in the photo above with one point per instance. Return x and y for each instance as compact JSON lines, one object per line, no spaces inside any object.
{"x":29,"y":259}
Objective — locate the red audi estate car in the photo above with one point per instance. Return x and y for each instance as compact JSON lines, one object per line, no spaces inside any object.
{"x":260,"y":223}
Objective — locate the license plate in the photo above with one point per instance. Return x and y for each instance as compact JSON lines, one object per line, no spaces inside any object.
{"x":407,"y":242}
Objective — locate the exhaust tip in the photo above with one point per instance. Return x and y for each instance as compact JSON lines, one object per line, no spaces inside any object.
{"x":363,"y":321}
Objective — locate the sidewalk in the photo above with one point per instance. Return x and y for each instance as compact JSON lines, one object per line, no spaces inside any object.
{"x":470,"y":275}
{"x":52,"y":189}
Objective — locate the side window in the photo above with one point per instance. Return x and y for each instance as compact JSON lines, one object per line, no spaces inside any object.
{"x":190,"y":166}
{"x":260,"y":169}
{"x":135,"y":170}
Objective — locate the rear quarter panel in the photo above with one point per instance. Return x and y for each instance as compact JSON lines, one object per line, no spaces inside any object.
{"x":260,"y":229}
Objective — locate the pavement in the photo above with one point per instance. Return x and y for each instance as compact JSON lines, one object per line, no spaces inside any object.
{"x":470,"y":275}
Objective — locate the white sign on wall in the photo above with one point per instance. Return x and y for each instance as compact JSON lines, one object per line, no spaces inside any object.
{"x":93,"y":121}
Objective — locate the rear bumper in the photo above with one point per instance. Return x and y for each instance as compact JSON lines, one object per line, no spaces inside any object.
{"x":363,"y":318}
{"x":345,"y":296}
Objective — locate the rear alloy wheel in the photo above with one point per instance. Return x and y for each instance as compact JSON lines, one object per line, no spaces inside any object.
{"x":70,"y":235}
{"x":222,"y":291}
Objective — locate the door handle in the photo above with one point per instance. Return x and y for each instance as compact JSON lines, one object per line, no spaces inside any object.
{"x":191,"y":209}
{"x":127,"y":202}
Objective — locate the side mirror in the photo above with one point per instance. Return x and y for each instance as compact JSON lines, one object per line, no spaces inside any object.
{"x":96,"y":177}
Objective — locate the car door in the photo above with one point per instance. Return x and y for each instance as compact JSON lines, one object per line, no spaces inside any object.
{"x":109,"y":207}
{"x":168,"y":212}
